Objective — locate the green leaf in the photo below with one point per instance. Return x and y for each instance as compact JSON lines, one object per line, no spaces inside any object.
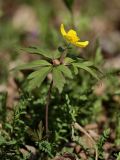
{"x":8,"y":126}
{"x":65,"y":70}
{"x":12,"y":142}
{"x":118,"y":156}
{"x":84,"y":62}
{"x":68,"y":60}
{"x":37,"y":50}
{"x":37,"y":77}
{"x":37,"y":73}
{"x":42,"y":52}
{"x":88,"y":69}
{"x":117,"y":92}
{"x":87,"y":63}
{"x":91,"y":71}
{"x":56,"y":54}
{"x":58,"y":79}
{"x":75,"y":70}
{"x":69,"y":4}
{"x":2,"y":140}
{"x":97,"y":70}
{"x":98,"y":56}
{"x":33,"y":64}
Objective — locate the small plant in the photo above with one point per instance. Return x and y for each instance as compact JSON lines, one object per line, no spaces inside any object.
{"x":59,"y":64}
{"x":118,"y":156}
{"x":12,"y":134}
{"x":60,"y":104}
{"x":101,"y":142}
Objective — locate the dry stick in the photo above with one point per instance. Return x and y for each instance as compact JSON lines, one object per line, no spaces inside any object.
{"x":78,"y":127}
{"x":47,"y":105}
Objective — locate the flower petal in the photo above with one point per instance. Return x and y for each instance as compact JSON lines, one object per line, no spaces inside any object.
{"x":73,"y":36}
{"x":63,"y":32}
{"x":82,"y":44}
{"x":71,"y":32}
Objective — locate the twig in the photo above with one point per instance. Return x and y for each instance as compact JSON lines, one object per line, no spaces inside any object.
{"x":81,"y":129}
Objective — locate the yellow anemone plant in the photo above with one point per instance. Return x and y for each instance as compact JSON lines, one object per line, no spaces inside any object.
{"x":71,"y":37}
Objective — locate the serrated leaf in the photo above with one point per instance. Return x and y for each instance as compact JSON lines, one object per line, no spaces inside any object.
{"x":75,"y":70}
{"x":87,"y":63}
{"x":91,"y":71}
{"x":98,"y":56}
{"x":37,"y":50}
{"x":38,"y":72}
{"x":88,"y":69}
{"x":33,"y":64}
{"x":58,"y":79}
{"x":43,"y":52}
{"x":80,"y":60}
{"x":38,"y":78}
{"x":65,"y":70}
{"x":56,"y":54}
{"x":68,"y":60}
{"x":84,"y":62}
{"x":96,"y":69}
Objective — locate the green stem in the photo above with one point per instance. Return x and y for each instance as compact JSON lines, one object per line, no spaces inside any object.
{"x":48,"y":98}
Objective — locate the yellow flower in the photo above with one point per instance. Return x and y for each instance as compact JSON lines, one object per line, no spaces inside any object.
{"x":71,"y":36}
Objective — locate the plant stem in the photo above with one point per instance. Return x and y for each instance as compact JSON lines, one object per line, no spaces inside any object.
{"x":63,"y":56}
{"x":64,"y":53}
{"x":48,"y":98}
